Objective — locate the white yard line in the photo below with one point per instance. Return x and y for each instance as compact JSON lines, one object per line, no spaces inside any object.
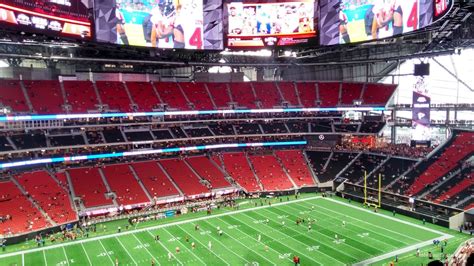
{"x":22,"y":259}
{"x":190,"y":251}
{"x":328,"y":218}
{"x":65,"y":255}
{"x":87,"y":255}
{"x":371,"y":224}
{"x":106,"y":252}
{"x":166,"y":248}
{"x":402,"y":250}
{"x":304,"y":244}
{"x":146,"y":249}
{"x":220,"y":243}
{"x":200,"y":243}
{"x":246,"y":245}
{"x":388,"y":217}
{"x":126,"y":250}
{"x":45,"y":261}
{"x":330,"y":238}
{"x":154,"y":227}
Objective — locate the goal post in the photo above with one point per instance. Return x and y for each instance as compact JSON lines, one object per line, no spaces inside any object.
{"x":369,"y":200}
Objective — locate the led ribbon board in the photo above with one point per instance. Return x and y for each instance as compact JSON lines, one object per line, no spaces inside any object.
{"x":154,"y":151}
{"x":64,"y":18}
{"x":175,"y":113}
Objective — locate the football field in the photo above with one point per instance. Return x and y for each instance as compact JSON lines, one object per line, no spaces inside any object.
{"x":366,"y":238}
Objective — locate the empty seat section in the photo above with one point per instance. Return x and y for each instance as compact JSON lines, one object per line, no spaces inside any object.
{"x":81,"y":96}
{"x":318,"y":160}
{"x":378,"y":94}
{"x":121,"y":181}
{"x":461,"y":147}
{"x":4,"y":144}
{"x":289,"y":93}
{"x":62,"y":178}
{"x":143,"y":95}
{"x":238,"y":168}
{"x":171,"y":94}
{"x":23,"y":216}
{"x":207,"y":170}
{"x":197,"y":94}
{"x":114,"y":95}
{"x":270,"y":172}
{"x":155,"y":181}
{"x":242,"y":93}
{"x":45,"y":96}
{"x":11,"y":95}
{"x":186,"y":180}
{"x":88,"y":185}
{"x":219,"y":94}
{"x":351,"y":92}
{"x":267,"y":93}
{"x":328,"y":93}
{"x":295,"y":164}
{"x":364,"y":164}
{"x":53,"y":199}
{"x":307,"y":93}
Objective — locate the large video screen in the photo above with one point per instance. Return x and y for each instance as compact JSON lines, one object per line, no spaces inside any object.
{"x":270,"y":23}
{"x":350,"y":21}
{"x":177,"y":24}
{"x":67,"y":18}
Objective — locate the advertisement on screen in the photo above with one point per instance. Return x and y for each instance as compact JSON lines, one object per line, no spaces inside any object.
{"x":270,"y":23}
{"x":175,"y":24}
{"x":351,"y":21}
{"x":66,"y":18}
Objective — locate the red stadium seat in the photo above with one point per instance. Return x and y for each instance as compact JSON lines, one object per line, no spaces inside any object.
{"x":171,"y":94}
{"x":81,"y":96}
{"x":238,"y":168}
{"x":207,"y":170}
{"x":242,"y":93}
{"x":219,"y":94}
{"x":307,"y":93}
{"x":197,"y":94}
{"x":123,"y":183}
{"x":143,"y":95}
{"x":155,"y":181}
{"x":270,"y":173}
{"x":52,"y":198}
{"x":113,"y":94}
{"x":295,"y":164}
{"x":329,"y":93}
{"x":45,"y":96}
{"x":24,"y":217}
{"x":267,"y":93}
{"x":182,"y":175}
{"x":351,"y":92}
{"x":11,"y":95}
{"x":88,"y":185}
{"x":289,"y":93}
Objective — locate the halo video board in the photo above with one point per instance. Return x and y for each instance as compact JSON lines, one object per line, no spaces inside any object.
{"x":177,"y":24}
{"x":65,"y":18}
{"x":264,"y":23}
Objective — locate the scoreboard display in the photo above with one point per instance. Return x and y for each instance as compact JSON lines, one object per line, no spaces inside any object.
{"x":350,"y":21}
{"x":66,"y":18}
{"x":176,"y":24}
{"x":270,"y":23}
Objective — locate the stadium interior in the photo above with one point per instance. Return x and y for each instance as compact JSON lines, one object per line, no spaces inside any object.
{"x":98,"y":129}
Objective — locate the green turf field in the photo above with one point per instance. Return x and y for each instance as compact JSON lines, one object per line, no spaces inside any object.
{"x":366,"y":238}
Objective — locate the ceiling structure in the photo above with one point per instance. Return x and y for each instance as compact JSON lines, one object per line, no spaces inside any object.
{"x":454,"y":31}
